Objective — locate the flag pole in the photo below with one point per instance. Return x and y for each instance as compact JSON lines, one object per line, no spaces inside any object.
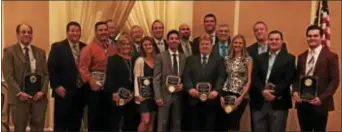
{"x":319,"y":12}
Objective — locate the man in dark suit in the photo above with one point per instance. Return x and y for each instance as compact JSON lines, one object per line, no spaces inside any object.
{"x":275,"y":68}
{"x":159,"y":43}
{"x":136,"y":35}
{"x":206,"y":67}
{"x":113,"y":31}
{"x":209,"y":23}
{"x":65,"y":80}
{"x":169,"y":99}
{"x":222,"y":47}
{"x":257,"y":48}
{"x":185,"y":45}
{"x":22,"y":64}
{"x":320,"y":62}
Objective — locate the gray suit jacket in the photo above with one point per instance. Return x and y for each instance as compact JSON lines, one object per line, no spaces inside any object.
{"x":14,"y":67}
{"x":163,"y":68}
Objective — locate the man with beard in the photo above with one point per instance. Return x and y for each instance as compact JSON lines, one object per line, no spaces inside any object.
{"x":136,"y":35}
{"x":92,"y":66}
{"x":65,"y":80}
{"x":209,"y":23}
{"x":113,"y":31}
{"x":159,"y":43}
{"x":185,"y":43}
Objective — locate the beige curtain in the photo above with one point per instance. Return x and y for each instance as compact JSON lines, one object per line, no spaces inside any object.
{"x":172,"y":13}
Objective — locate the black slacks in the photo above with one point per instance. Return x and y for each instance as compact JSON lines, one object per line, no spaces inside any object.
{"x":129,"y":114}
{"x":98,"y":111}
{"x":311,"y":119}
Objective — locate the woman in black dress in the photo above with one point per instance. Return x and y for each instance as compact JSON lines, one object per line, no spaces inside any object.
{"x":144,"y":68}
{"x":119,"y":74}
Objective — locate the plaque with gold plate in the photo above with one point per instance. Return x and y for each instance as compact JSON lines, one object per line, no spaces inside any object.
{"x":125,"y":96}
{"x":99,"y":78}
{"x":33,"y":83}
{"x":171,"y":82}
{"x":203,"y":89}
{"x":145,"y":87}
{"x":308,"y":87}
{"x":229,"y":102}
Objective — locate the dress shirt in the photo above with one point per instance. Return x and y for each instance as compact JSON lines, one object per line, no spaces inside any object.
{"x":271,"y":59}
{"x":171,"y":55}
{"x":160,"y":44}
{"x":312,"y":53}
{"x":32,"y":60}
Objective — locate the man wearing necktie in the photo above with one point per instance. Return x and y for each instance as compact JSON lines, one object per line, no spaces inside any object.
{"x":320,"y":62}
{"x":159,"y":44}
{"x":113,"y":31}
{"x":206,"y":67}
{"x":65,"y":80}
{"x":209,"y":24}
{"x":170,"y":62}
{"x":270,"y":105}
{"x":136,"y":35}
{"x":185,"y":43}
{"x":222,"y":48}
{"x":27,"y":96}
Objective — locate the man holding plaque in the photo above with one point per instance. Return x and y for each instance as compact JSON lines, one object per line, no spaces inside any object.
{"x":25,"y":72}
{"x":203,"y":75}
{"x":316,"y":82}
{"x":167,"y":73}
{"x":65,"y":80}
{"x":273,"y":75}
{"x":92,"y":67}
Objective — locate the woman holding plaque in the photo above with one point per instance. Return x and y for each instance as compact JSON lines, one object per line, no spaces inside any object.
{"x":143,"y":90}
{"x":119,"y":87}
{"x":239,"y":70}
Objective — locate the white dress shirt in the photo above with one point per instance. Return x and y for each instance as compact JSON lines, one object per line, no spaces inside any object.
{"x":160,"y":44}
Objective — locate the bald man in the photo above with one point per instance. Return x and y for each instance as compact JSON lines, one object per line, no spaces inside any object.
{"x":25,"y":72}
{"x":185,"y":43}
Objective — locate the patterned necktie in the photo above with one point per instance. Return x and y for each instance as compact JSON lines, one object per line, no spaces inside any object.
{"x":27,"y":57}
{"x":76,"y":54}
{"x":175,"y":65}
{"x":224,"y":50}
{"x":311,"y":65}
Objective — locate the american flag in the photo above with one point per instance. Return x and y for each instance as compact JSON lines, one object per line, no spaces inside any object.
{"x":323,"y":20}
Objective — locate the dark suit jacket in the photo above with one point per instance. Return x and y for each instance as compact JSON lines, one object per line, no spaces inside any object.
{"x":14,"y":66}
{"x":166,"y":46}
{"x":62,"y":68}
{"x":214,"y":73}
{"x":195,"y":46}
{"x":327,"y":70}
{"x":135,"y":52}
{"x":282,"y":75}
{"x":253,"y":49}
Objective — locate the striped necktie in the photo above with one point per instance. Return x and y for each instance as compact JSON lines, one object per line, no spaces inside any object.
{"x":76,"y":54}
{"x":311,"y":65}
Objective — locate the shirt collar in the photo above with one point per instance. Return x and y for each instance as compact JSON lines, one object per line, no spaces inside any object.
{"x":23,"y":46}
{"x":276,"y":53}
{"x":73,"y":43}
{"x":157,"y":41}
{"x":316,"y":50}
{"x":213,"y":34}
{"x":171,"y":52}
{"x":225,"y":43}
{"x":202,"y":55}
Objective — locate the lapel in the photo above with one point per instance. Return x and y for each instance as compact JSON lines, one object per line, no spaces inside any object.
{"x":277,"y":62}
{"x":68,"y":50}
{"x":169,"y":61}
{"x":198,"y":65}
{"x":166,"y":46}
{"x":303,"y":61}
{"x":181,"y":62}
{"x":19,"y":53}
{"x":210,"y":63}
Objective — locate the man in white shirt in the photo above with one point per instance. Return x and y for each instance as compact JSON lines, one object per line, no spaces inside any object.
{"x":136,"y":34}
{"x":159,"y":44}
{"x":209,"y":23}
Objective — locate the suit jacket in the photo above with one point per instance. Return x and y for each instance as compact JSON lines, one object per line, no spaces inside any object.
{"x":195,"y":47}
{"x":163,"y":68}
{"x":327,"y":71}
{"x":14,"y":66}
{"x":154,"y":44}
{"x":62,"y":68}
{"x":282,"y":75}
{"x":214,"y":73}
{"x":135,"y":52}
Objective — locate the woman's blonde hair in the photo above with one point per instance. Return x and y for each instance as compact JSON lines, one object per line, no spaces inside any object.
{"x":122,"y":40}
{"x":244,"y":53}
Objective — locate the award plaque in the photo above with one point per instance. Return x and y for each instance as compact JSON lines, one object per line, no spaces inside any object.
{"x":145,"y":87}
{"x":33,"y":83}
{"x":171,"y":83}
{"x":99,"y":77}
{"x":308,"y":87}
{"x":229,"y":102}
{"x":203,"y":89}
{"x":125,"y":96}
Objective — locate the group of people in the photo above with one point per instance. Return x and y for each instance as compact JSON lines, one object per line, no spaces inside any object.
{"x":142,"y":83}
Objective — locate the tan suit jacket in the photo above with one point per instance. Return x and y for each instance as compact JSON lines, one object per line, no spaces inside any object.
{"x":14,"y":67}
